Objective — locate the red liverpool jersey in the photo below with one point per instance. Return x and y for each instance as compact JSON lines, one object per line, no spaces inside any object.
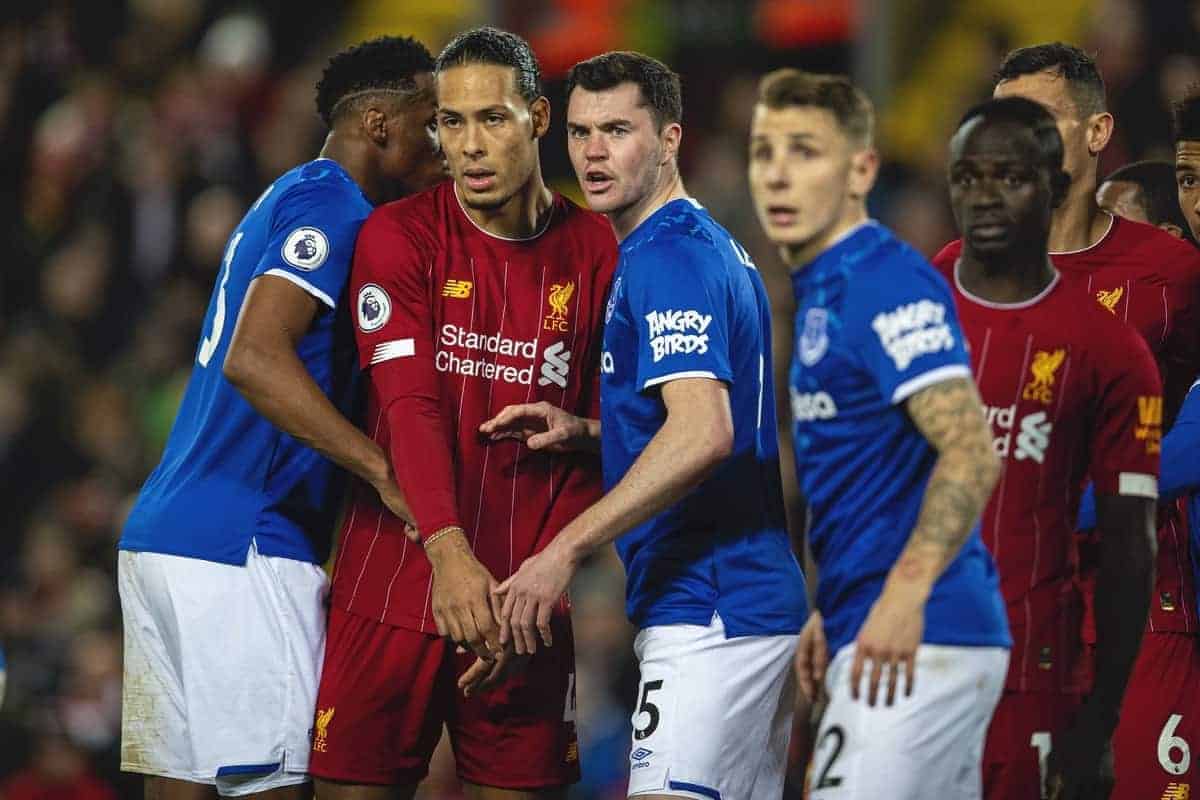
{"x":1071,"y":394}
{"x":1151,"y":280}
{"x":453,"y":324}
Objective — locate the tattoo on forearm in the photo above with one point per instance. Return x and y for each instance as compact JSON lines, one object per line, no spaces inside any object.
{"x":950,"y":416}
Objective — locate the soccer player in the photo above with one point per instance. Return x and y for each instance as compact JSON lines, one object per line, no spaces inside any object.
{"x":484,"y":292}
{"x":691,"y":459}
{"x":894,"y":458}
{"x":221,"y":586}
{"x":1145,"y":191}
{"x":1063,"y":382}
{"x":1187,"y":159}
{"x":1151,"y":280}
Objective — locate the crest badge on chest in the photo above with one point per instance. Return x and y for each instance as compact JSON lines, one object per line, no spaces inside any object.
{"x":814,"y":337}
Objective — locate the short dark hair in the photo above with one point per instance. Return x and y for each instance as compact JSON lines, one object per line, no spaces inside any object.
{"x":1159,"y":192}
{"x":493,"y":46}
{"x":793,"y":88}
{"x":659,"y":86}
{"x":1069,"y":62}
{"x":1029,"y":114}
{"x":389,"y":64}
{"x":1038,"y":121}
{"x":1186,"y":116}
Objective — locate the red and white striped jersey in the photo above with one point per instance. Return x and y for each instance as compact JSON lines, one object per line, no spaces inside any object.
{"x":453,"y":324}
{"x":1151,"y":280}
{"x":1071,"y":394}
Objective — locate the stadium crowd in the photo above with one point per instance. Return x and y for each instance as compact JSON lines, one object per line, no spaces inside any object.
{"x":132,"y":144}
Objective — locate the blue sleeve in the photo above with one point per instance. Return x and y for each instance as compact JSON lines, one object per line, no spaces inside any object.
{"x":910,"y":338}
{"x":680,"y":301}
{"x":1180,"y":468}
{"x":311,"y":241}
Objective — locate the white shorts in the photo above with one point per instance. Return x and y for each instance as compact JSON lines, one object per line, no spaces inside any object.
{"x":714,"y":715}
{"x":222,"y":665}
{"x":927,"y":745}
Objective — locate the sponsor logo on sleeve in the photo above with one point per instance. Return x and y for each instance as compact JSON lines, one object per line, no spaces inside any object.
{"x":560,"y":295}
{"x":374,"y":308}
{"x":305,"y":249}
{"x":1149,"y":427}
{"x":674,"y":332}
{"x":1044,"y":365}
{"x":1110,"y":297}
{"x":459,"y":290}
{"x":913,"y":330}
{"x":814,"y":338}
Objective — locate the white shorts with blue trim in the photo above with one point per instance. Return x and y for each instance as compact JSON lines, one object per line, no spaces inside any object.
{"x":222,"y":665}
{"x":714,"y":715}
{"x":928,"y":744}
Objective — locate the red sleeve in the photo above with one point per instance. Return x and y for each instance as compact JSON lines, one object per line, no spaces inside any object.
{"x":394,"y":331}
{"x":1128,"y":429}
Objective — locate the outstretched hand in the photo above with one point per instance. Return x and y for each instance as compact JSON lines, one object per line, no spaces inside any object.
{"x":541,"y":426}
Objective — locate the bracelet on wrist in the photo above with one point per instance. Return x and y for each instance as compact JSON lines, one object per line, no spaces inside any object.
{"x":439,"y":533}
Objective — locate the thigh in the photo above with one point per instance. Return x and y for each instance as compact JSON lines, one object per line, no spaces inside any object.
{"x":1019,"y":740}
{"x":520,"y":736}
{"x":1160,"y":719}
{"x":713,"y":714}
{"x":382,"y":701}
{"x":929,"y":744}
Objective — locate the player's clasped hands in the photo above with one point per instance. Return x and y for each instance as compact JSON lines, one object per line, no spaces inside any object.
{"x":888,"y":642}
{"x":529,"y":596}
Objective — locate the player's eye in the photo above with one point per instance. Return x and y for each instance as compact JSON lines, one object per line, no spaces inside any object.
{"x":760,"y":152}
{"x":449,"y":122}
{"x":1187,"y":181}
{"x":620,"y":131}
{"x":494,"y":119}
{"x":578,"y":133}
{"x":802,"y":150}
{"x":963,"y":180}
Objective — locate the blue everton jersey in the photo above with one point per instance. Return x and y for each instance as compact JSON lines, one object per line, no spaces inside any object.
{"x":875,"y":324}
{"x":228,"y":475}
{"x":688,"y":302}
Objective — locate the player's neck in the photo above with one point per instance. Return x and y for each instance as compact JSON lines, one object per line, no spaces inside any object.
{"x":800,"y":255}
{"x":1078,"y":223}
{"x":355,"y":159}
{"x":668,"y":189}
{"x":1011,"y":278}
{"x":521,"y":216}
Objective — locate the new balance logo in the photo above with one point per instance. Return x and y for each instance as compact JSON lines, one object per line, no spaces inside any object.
{"x":555,"y":366}
{"x":1034,"y":437}
{"x":459,"y":290}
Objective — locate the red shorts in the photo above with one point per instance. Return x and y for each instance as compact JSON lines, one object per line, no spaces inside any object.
{"x":1019,"y":739}
{"x":1159,"y":732}
{"x":386,"y":693}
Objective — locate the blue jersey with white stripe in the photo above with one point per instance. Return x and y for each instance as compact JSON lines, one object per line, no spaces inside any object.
{"x":688,"y":302}
{"x":875,"y":324}
{"x":228,"y":475}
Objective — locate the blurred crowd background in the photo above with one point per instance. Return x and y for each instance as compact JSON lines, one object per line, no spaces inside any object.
{"x":133,"y":134}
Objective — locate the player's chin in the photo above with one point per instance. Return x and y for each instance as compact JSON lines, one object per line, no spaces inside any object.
{"x":484,"y":201}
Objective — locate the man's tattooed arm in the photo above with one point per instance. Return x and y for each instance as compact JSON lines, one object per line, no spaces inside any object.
{"x":950,"y":416}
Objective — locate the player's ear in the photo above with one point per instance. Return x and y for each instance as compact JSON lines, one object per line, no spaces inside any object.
{"x":1099,"y":131}
{"x":672,"y":136}
{"x":374,"y":123}
{"x":864,"y":168}
{"x":539,"y":113}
